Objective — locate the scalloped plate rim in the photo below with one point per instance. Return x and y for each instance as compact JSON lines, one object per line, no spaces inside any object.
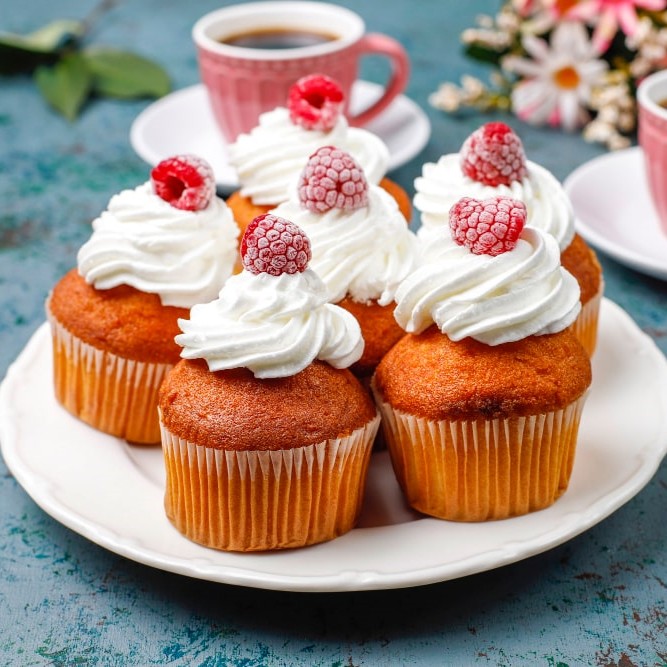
{"x":234,"y":570}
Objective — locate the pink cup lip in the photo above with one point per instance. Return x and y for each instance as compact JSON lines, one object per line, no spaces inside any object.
{"x":268,"y":14}
{"x":646,"y":93}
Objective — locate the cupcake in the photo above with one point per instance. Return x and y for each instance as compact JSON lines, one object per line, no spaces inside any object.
{"x":269,"y":159}
{"x":492,"y":162}
{"x":266,"y":434}
{"x":155,"y":251}
{"x":362,"y":248}
{"x":481,"y":402}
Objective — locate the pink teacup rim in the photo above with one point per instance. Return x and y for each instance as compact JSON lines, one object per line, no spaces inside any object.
{"x":648,"y":98}
{"x":265,"y":12}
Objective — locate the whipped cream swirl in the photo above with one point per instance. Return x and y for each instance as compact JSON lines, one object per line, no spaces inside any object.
{"x":519,"y":293}
{"x":273,"y":325}
{"x":142,"y":241}
{"x":269,"y":159}
{"x":363,"y":253}
{"x":443,"y":183}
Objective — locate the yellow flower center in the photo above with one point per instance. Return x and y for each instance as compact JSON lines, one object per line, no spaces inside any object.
{"x":564,"y":6}
{"x":566,"y":77}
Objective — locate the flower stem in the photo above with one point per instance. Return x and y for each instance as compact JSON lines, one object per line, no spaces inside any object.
{"x":95,"y":14}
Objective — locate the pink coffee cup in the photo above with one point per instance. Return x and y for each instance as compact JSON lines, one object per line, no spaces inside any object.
{"x":653,"y":138}
{"x":243,"y":82}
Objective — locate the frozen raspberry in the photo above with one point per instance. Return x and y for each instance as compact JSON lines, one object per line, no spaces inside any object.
{"x":493,"y":155}
{"x":332,"y":178}
{"x":275,"y":246}
{"x":315,"y":102}
{"x":184,"y":181}
{"x":488,"y":227}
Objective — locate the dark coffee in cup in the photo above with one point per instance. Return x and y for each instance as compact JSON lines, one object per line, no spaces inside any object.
{"x":251,"y":53}
{"x":278,"y":38}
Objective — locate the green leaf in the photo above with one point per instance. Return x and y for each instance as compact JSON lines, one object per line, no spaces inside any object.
{"x":49,"y":38}
{"x":66,"y":85}
{"x":126,"y":75}
{"x":484,"y":54}
{"x":22,"y":53}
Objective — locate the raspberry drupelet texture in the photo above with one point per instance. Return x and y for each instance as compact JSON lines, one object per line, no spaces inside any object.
{"x":488,"y":227}
{"x":332,"y":178}
{"x":493,"y":155}
{"x":275,"y":246}
{"x":315,"y":102}
{"x":186,"y":182}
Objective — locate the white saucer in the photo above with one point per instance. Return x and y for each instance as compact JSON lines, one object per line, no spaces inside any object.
{"x":183,"y":122}
{"x":112,"y":493}
{"x":614,"y":211}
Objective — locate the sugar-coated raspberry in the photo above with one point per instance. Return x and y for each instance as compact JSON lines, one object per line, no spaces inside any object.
{"x":488,"y":227}
{"x":493,"y":155}
{"x":275,"y":246}
{"x":184,"y":181}
{"x":332,"y":178}
{"x":315,"y":102}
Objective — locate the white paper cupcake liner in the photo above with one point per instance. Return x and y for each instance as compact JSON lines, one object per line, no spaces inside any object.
{"x":259,"y":500}
{"x":585,"y":327}
{"x":485,"y":469}
{"x":110,"y":393}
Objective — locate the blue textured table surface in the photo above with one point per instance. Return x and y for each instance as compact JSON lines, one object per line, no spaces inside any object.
{"x":599,"y":599}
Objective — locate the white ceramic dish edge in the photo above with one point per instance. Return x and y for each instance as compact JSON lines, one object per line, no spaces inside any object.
{"x":627,"y":165}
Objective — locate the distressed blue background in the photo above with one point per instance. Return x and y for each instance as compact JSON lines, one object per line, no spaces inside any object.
{"x":600,"y":599}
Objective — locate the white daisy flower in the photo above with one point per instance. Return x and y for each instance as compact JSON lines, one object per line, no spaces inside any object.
{"x":557,"y":81}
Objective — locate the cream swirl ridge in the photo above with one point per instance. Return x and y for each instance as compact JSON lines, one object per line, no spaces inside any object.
{"x":365,"y":252}
{"x":142,"y":241}
{"x":443,"y":183}
{"x":494,"y":300}
{"x":271,"y":156}
{"x":273,"y":325}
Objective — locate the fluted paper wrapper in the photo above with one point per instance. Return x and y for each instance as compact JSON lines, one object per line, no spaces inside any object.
{"x":115,"y":395}
{"x":585,"y":327}
{"x":259,"y":500}
{"x":484,"y":469}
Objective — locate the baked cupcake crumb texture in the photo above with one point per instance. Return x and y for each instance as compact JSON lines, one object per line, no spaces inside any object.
{"x":154,"y":252}
{"x":481,"y":404}
{"x":266,"y":435}
{"x":535,"y":375}
{"x":263,"y":415}
{"x":122,"y":320}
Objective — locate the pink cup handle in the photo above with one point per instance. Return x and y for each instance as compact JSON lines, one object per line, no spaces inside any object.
{"x":376,"y":43}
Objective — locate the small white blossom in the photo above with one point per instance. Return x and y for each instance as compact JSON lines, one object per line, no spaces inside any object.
{"x":448,"y":98}
{"x":472,"y":86}
{"x":484,"y":21}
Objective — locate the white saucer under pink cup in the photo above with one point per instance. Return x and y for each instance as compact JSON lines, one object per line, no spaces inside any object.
{"x":244,"y":81}
{"x":651,"y":96}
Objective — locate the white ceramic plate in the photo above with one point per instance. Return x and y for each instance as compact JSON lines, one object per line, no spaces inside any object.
{"x":183,"y":122}
{"x":111,"y":492}
{"x":614,"y":212}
